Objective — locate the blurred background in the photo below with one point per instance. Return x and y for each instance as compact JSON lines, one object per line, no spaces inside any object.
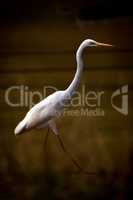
{"x":38,"y":42}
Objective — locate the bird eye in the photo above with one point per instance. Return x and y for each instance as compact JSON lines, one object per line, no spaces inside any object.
{"x":92,"y":43}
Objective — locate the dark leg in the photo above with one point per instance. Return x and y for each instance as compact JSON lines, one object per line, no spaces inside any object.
{"x":45,"y":147}
{"x":65,"y":150}
{"x":46,"y":138}
{"x":73,"y":159}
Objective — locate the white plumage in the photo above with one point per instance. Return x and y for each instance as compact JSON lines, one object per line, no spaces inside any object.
{"x":44,"y":113}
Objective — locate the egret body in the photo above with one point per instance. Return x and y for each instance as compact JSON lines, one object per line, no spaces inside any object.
{"x":44,"y":113}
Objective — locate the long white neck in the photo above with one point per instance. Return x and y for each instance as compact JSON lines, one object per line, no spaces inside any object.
{"x":79,"y":58}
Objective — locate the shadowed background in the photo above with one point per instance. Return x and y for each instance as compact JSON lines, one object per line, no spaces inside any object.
{"x":38,"y":41}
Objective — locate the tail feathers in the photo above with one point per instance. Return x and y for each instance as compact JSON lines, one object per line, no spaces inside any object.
{"x":20,"y":128}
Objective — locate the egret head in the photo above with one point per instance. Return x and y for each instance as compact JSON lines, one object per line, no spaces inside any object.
{"x":93,"y":43}
{"x":89,"y":43}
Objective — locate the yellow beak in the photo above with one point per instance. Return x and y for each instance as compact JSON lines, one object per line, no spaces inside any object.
{"x":103,"y":44}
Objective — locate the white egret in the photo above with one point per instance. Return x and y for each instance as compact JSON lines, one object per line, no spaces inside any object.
{"x":44,"y":113}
